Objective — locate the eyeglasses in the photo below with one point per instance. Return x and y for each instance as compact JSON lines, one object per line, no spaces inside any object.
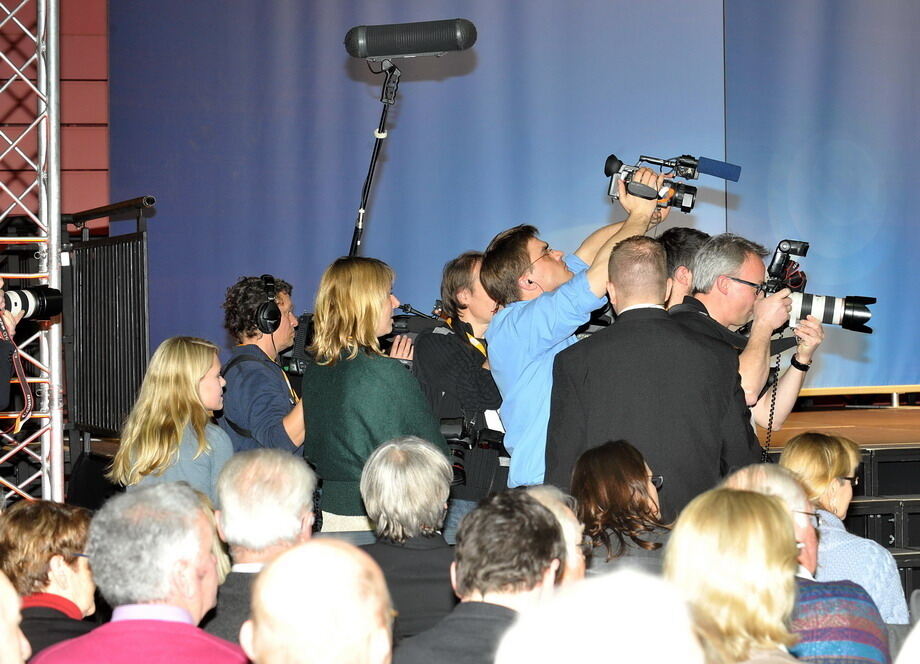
{"x":548,"y":251}
{"x":813,"y":517}
{"x":656,"y":480}
{"x":757,"y":287}
{"x":853,"y":480}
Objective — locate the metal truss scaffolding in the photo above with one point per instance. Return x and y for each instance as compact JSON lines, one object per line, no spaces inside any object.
{"x":30,"y":199}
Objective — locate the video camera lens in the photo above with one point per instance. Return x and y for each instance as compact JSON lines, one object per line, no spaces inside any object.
{"x":37,"y":303}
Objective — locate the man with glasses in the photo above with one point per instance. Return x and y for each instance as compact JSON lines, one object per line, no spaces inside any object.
{"x":671,"y":392}
{"x":543,"y":299}
{"x":728,"y":277}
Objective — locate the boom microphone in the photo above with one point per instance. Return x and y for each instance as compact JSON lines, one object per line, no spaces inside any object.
{"x":408,"y":40}
{"x":719,"y":169}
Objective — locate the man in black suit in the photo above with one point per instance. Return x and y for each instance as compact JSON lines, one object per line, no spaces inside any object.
{"x":510,"y":554}
{"x":674,"y":394}
{"x":266,"y":507}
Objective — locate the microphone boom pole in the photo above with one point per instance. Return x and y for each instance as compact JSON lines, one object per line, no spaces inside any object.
{"x":387,"y":98}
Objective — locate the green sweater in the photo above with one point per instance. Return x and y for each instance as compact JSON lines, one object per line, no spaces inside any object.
{"x":349,"y":409}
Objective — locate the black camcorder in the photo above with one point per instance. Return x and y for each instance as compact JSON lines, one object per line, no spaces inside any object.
{"x":850,"y":313}
{"x":672,"y":193}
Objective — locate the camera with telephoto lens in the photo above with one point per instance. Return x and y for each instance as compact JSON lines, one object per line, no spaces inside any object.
{"x":850,"y":313}
{"x":36,"y":303}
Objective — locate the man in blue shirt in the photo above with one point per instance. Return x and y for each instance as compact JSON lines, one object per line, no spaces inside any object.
{"x":260,"y":408}
{"x":543,"y":300}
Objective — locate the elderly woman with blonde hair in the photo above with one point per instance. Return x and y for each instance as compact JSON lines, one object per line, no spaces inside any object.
{"x":826,"y":466}
{"x":354,"y":396}
{"x":733,"y":556}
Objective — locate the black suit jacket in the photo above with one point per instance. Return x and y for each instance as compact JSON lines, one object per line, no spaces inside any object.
{"x":44,"y":627}
{"x":417,"y":572}
{"x":232,"y":610}
{"x":674,"y":394}
{"x":469,"y":634}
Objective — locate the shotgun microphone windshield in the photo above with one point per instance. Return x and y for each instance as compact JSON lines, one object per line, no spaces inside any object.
{"x":409,"y":40}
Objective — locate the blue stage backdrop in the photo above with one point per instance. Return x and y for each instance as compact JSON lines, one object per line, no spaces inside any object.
{"x":253,"y":128}
{"x":822,"y":102}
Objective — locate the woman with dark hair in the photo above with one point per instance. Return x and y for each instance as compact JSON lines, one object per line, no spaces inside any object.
{"x":618,"y":503}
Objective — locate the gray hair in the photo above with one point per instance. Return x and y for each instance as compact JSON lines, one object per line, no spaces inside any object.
{"x":721,"y":254}
{"x":771,"y":479}
{"x":264,"y":495}
{"x":563,"y":507}
{"x":405,"y":484}
{"x":138,"y":538}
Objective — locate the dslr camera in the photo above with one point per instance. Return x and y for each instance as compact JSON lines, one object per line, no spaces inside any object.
{"x":850,"y":313}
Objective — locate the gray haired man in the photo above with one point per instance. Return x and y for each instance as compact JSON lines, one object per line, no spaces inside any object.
{"x":266,"y":498}
{"x":152,"y":558}
{"x":728,"y":277}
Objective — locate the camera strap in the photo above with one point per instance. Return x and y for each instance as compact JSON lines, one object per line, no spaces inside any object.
{"x":27,"y":398}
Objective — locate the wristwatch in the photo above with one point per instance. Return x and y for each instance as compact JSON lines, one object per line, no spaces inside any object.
{"x":799,"y":365}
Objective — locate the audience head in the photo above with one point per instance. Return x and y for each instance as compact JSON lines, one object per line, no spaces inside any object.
{"x":563,"y":508}
{"x":613,"y":487}
{"x":354,"y":306}
{"x":182,"y":387}
{"x":719,"y":269}
{"x":637,"y":273}
{"x":246,"y":297}
{"x":773,"y":480}
{"x":649,"y":622}
{"x":405,"y":484}
{"x":462,"y":294}
{"x":680,"y":245}
{"x":221,"y":558}
{"x":266,"y":502}
{"x":323,"y":602}
{"x":15,"y":648}
{"x":510,"y":544}
{"x":827,"y":466}
{"x":154,"y":545}
{"x":733,"y":555}
{"x":42,"y":546}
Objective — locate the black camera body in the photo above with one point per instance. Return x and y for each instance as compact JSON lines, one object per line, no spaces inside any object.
{"x":850,"y":313}
{"x":672,"y":193}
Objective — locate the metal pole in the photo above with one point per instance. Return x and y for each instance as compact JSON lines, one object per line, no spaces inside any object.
{"x":50,"y":214}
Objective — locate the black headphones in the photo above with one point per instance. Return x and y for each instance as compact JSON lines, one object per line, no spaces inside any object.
{"x":268,"y":315}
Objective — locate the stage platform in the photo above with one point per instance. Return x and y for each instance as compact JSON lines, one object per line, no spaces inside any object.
{"x":870,"y":427}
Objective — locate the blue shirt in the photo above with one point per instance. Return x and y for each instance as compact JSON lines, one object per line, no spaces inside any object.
{"x":524,"y":338}
{"x":256,"y":399}
{"x":200,"y":473}
{"x":845,"y":556}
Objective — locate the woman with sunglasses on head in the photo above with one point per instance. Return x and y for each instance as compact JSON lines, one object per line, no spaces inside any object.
{"x":827,"y":465}
{"x":617,"y":497}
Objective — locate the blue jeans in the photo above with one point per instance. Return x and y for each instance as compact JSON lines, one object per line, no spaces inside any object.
{"x":456,"y":510}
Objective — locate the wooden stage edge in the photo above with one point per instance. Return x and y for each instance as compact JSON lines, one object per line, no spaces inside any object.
{"x":870,"y":427}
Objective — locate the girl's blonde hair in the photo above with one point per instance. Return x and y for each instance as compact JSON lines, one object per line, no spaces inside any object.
{"x":167,"y":403}
{"x":733,"y":554}
{"x":347,"y":308}
{"x":818,"y":460}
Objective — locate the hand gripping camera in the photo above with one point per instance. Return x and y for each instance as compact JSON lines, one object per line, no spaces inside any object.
{"x":850,"y":313}
{"x":677,"y":194}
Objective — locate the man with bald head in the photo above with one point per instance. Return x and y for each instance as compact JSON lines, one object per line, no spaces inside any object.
{"x":14,"y":649}
{"x":673,"y":393}
{"x":323,"y":602}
